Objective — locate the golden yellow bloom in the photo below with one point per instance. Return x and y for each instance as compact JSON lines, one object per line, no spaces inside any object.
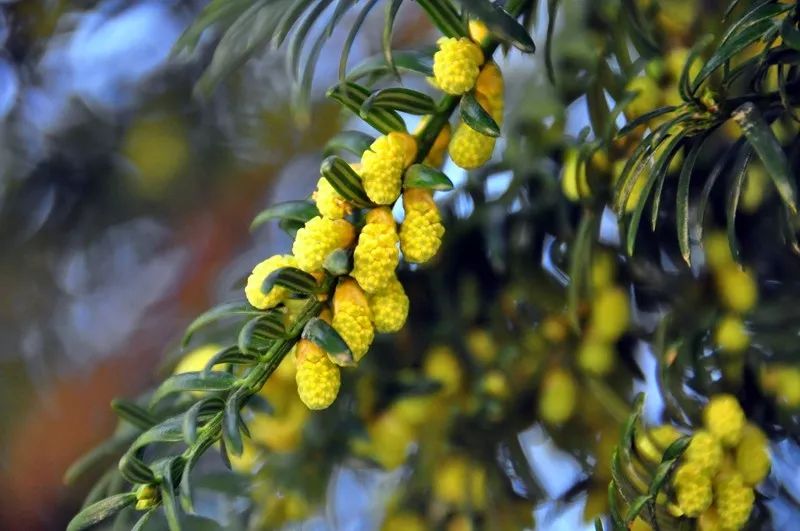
{"x":318,"y":378}
{"x":317,"y":239}
{"x":352,"y":317}
{"x":478,"y":31}
{"x":557,"y":396}
{"x":596,"y":357}
{"x":490,"y":86}
{"x":422,"y":230}
{"x":456,"y":64}
{"x":731,"y":334}
{"x":724,"y":418}
{"x":253,"y":292}
{"x":390,"y":436}
{"x":705,"y":451}
{"x":442,"y":365}
{"x":470,"y":149}
{"x":610,"y":314}
{"x":389,"y":307}
{"x":752,"y":455}
{"x":692,"y":489}
{"x":376,"y":255}
{"x":736,"y":288}
{"x":383,"y":163}
{"x":709,"y":520}
{"x":329,"y":203}
{"x":734,"y":500}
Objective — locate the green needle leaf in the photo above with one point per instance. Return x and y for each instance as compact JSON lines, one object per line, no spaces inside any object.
{"x":501,"y":24}
{"x":475,"y":116}
{"x":426,"y":177}
{"x":97,"y":512}
{"x":398,"y":99}
{"x":293,"y":210}
{"x":323,"y":335}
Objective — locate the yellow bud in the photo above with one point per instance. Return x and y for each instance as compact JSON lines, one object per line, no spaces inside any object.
{"x":717,"y":250}
{"x":596,"y":357}
{"x":557,"y":396}
{"x":382,"y":166}
{"x":317,"y":239}
{"x":318,"y":378}
{"x":604,"y":269}
{"x":329,"y":203}
{"x":736,"y":288}
{"x":692,"y":489}
{"x":460,"y":483}
{"x":481,"y":345}
{"x":376,"y":255}
{"x":422,"y":230}
{"x":470,"y":149}
{"x":653,"y":442}
{"x":442,"y":365}
{"x":495,"y":384}
{"x":352,"y":318}
{"x":734,"y":500}
{"x":456,"y":64}
{"x":610,"y":314}
{"x":277,"y":294}
{"x":478,"y":31}
{"x":787,"y":386}
{"x":436,"y":153}
{"x":731,"y":335}
{"x":705,"y":451}
{"x":724,"y":418}
{"x":752,"y":455}
{"x":490,"y":88}
{"x":390,"y":438}
{"x":389,"y":307}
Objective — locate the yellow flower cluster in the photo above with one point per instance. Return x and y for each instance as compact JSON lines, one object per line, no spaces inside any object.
{"x":557,"y":396}
{"x":329,"y":203}
{"x":422,"y":230}
{"x":460,"y":482}
{"x":318,"y":238}
{"x":255,"y":296}
{"x":389,"y":307}
{"x":382,"y":166}
{"x":470,"y":149}
{"x":318,"y":377}
{"x":456,"y":64}
{"x":376,"y":255}
{"x":723,"y":463}
{"x":352,"y":317}
{"x":782,"y":381}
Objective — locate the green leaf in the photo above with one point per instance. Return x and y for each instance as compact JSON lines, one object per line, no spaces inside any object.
{"x":684,"y":83}
{"x":143,"y":520}
{"x":734,"y":192}
{"x":216,"y":12}
{"x":790,"y":34}
{"x":167,"y":431}
{"x":579,"y":257}
{"x":733,"y":46}
{"x":406,"y":61}
{"x":475,"y":116}
{"x":194,"y":381}
{"x":502,"y":25}
{"x":426,"y":177}
{"x":354,"y":142}
{"x":552,"y":11}
{"x":390,"y":14}
{"x":351,"y":37}
{"x":713,"y":175}
{"x":232,"y":355}
{"x":290,"y":226}
{"x":259,"y":333}
{"x":291,"y":278}
{"x":222,"y":311}
{"x":682,"y":200}
{"x":445,"y":17}
{"x":199,"y":412}
{"x":676,"y":449}
{"x":338,"y":263}
{"x":344,"y":180}
{"x":636,"y":507}
{"x":398,"y":99}
{"x":353,"y":96}
{"x":135,"y":470}
{"x":293,"y":210}
{"x":769,"y":150}
{"x":246,"y":36}
{"x":97,"y":512}
{"x":133,"y":413}
{"x":643,"y":119}
{"x":230,"y":426}
{"x":168,"y":500}
{"x":323,"y":335}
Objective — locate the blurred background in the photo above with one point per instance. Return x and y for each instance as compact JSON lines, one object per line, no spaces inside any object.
{"x":124,"y":211}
